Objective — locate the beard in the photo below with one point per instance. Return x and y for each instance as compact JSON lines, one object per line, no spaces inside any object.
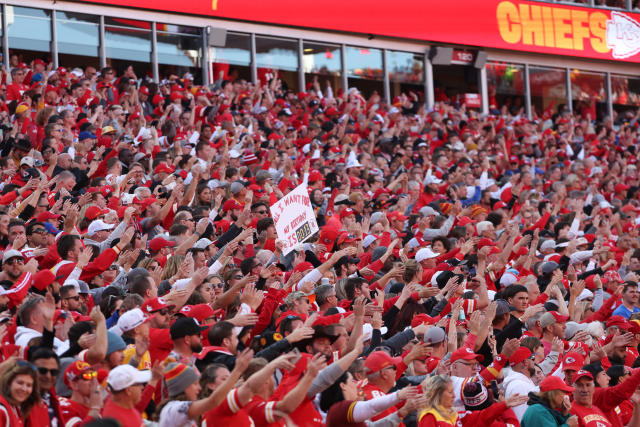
{"x":196,"y":347}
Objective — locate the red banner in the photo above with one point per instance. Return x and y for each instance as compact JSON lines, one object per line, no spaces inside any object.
{"x":504,"y":24}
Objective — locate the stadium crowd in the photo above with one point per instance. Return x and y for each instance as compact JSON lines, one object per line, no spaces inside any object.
{"x":468,"y":268}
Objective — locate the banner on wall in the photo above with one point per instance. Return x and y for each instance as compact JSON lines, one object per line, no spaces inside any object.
{"x":505,"y":24}
{"x":294,"y":218}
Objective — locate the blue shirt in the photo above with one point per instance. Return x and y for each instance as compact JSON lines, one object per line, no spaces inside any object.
{"x":624,"y":311}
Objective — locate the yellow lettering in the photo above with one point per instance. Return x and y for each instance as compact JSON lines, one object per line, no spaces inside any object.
{"x":562,"y":27}
{"x":598,"y":27}
{"x":580,"y":21}
{"x":547,"y":20}
{"x":509,"y":22}
{"x":531,"y":25}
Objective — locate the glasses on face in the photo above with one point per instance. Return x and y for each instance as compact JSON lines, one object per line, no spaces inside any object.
{"x":112,"y":267}
{"x":13,"y":261}
{"x":261,"y":212}
{"x":39,"y":231}
{"x":45,"y":371}
{"x":75,"y":298}
{"x":87,"y":376}
{"x":217,"y":285}
{"x":163,"y":312}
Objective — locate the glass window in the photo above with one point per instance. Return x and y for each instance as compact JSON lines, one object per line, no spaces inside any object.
{"x":278,"y":56}
{"x":451,"y":82}
{"x":588,"y":93}
{"x":233,"y":61}
{"x":324,"y":63}
{"x":29,"y":32}
{"x":128,"y":43}
{"x":364,"y":70}
{"x":548,"y":89}
{"x":505,"y":85}
{"x":625,"y":92}
{"x":406,"y":73}
{"x":78,"y":39}
{"x":179,"y":51}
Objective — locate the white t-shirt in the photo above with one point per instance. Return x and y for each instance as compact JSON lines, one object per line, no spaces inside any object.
{"x":174,"y":414}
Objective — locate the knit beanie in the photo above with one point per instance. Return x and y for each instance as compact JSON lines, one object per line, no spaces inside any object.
{"x":114,"y":342}
{"x":476,"y":396}
{"x":178,"y":376}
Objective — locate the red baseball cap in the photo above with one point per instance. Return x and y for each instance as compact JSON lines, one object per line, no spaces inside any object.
{"x":618,"y":321}
{"x":93,"y":212}
{"x":155,"y":304}
{"x":465,"y":220}
{"x":582,"y":374}
{"x":346,"y":212}
{"x":44,"y":216}
{"x":554,"y":383}
{"x":499,"y":205}
{"x":378,"y":360}
{"x":163,"y":167}
{"x":346,"y":238}
{"x":200,"y":312}
{"x":465,"y":353}
{"x":231,"y":204}
{"x":521,"y":354}
{"x":485,"y":242}
{"x":572,"y":361}
{"x":618,"y":188}
{"x":158,"y":243}
{"x":395,"y":215}
{"x":303,"y":266}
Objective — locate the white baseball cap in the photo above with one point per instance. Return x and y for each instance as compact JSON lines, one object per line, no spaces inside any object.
{"x":202,"y":243}
{"x":98,"y":225}
{"x":132,"y":319}
{"x":425,"y":253}
{"x":124,"y":376}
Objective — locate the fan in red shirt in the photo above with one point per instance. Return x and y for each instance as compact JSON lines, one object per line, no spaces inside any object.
{"x":588,"y":415}
{"x":85,"y":398}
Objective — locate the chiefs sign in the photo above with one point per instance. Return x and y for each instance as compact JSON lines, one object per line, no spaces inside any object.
{"x":529,"y":26}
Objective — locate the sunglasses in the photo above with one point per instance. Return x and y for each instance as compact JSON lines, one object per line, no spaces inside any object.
{"x":163,"y":312}
{"x":261,"y":212}
{"x":40,"y":231}
{"x":76,"y":298}
{"x":45,"y":371}
{"x":13,"y":261}
{"x":88,"y":375}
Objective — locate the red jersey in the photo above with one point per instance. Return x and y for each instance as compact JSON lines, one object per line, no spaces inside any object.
{"x":589,"y":417}
{"x":126,"y":417}
{"x":228,"y":413}
{"x":262,"y":412}
{"x":371,"y":392}
{"x":340,"y":415}
{"x":72,"y":412}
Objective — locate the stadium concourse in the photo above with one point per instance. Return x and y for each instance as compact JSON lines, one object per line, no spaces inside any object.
{"x":239,"y":254}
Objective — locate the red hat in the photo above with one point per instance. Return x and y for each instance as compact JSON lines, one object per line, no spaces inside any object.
{"x":582,"y":374}
{"x":554,"y":383}
{"x":618,"y":321}
{"x":610,"y":276}
{"x":42,"y":279}
{"x":521,"y":354}
{"x":145,"y":203}
{"x":134,"y":115}
{"x":157,"y":99}
{"x":485,"y":242}
{"x":346,"y":238}
{"x":74,"y":371}
{"x":465,"y":353}
{"x":395,"y":215}
{"x":378,"y":360}
{"x":175,"y":95}
{"x":231,"y":204}
{"x":143,"y":90}
{"x":499,"y":205}
{"x":164,"y":168}
{"x":619,"y":188}
{"x":380,"y":191}
{"x":314,"y":176}
{"x":93,"y":212}
{"x":158,"y":243}
{"x":44,"y":216}
{"x":328,"y":235}
{"x":346,"y":212}
{"x":155,"y":304}
{"x":572,"y":361}
{"x":465,"y":220}
{"x":303,"y":266}
{"x":200,"y":312}
{"x":634,"y":326}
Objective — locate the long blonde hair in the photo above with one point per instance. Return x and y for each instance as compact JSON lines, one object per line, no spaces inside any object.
{"x":433,"y":388}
